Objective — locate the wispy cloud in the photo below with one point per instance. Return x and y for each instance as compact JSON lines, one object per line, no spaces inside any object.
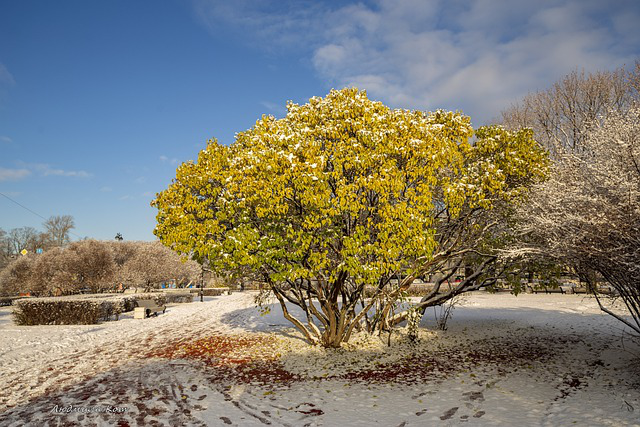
{"x":279,"y":25}
{"x":147,"y":195}
{"x":477,"y":55}
{"x":274,"y":108}
{"x":6,"y":139}
{"x":5,"y":76}
{"x":45,"y":169}
{"x":171,"y":161}
{"x":13,"y":174}
{"x":106,"y":189}
{"x":61,"y":172}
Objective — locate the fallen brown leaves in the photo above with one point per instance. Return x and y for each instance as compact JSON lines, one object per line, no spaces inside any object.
{"x":258,"y":359}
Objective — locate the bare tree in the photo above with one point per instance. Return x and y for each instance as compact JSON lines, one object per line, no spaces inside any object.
{"x":22,"y":238}
{"x":58,"y":229}
{"x":5,"y":249}
{"x":562,"y":115}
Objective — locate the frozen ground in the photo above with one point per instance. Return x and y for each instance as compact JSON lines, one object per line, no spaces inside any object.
{"x":531,"y":360}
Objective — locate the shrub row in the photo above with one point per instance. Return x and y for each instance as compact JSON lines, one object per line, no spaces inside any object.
{"x":85,"y":309}
{"x":210,"y":292}
{"x":178,"y":297}
{"x":69,"y":311}
{"x":4,"y":301}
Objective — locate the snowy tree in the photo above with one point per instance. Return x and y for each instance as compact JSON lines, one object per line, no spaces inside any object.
{"x":149,"y":264}
{"x":562,"y":115}
{"x":587,"y":215}
{"x":16,"y":276}
{"x":96,"y":266}
{"x":90,"y":264}
{"x":345,"y":193}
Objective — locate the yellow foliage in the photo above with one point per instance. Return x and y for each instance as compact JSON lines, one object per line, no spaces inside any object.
{"x":341,"y":185}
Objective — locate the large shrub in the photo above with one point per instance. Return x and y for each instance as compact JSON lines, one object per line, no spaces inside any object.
{"x":344,"y":192}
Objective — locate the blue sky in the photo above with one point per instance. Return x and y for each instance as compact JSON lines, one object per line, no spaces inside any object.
{"x":101,"y":100}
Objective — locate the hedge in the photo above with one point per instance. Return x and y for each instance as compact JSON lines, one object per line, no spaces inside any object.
{"x":85,"y":309}
{"x":4,"y":301}
{"x":74,"y":310}
{"x":210,"y":292}
{"x":178,"y":297}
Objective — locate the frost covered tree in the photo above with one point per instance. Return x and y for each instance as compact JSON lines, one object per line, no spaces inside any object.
{"x":344,"y":193}
{"x":562,"y":115}
{"x":90,"y":264}
{"x":96,"y":266}
{"x":16,"y":276}
{"x":149,"y":264}
{"x":587,"y":215}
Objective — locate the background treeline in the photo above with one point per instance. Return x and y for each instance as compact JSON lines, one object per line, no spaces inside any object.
{"x":96,"y":266}
{"x":56,"y":233}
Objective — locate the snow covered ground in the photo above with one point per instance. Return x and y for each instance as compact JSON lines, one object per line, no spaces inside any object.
{"x":531,"y":360}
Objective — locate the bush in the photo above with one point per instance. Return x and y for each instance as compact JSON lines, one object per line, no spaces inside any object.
{"x":76,"y":310}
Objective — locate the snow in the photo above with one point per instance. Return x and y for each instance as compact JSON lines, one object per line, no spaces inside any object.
{"x":528,"y":360}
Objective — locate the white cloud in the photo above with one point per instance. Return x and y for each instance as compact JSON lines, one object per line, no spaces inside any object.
{"x":5,"y":76}
{"x":171,"y":161}
{"x":62,"y":172}
{"x":477,"y":55}
{"x":276,"y":24}
{"x":279,"y":109}
{"x":106,"y":189}
{"x":46,"y":170}
{"x":13,"y":174}
{"x":5,"y":139}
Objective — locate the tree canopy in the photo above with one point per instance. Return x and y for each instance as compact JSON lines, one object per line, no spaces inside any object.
{"x":344,"y":193}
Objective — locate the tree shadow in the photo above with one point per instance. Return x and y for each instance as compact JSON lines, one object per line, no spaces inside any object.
{"x":490,"y":345}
